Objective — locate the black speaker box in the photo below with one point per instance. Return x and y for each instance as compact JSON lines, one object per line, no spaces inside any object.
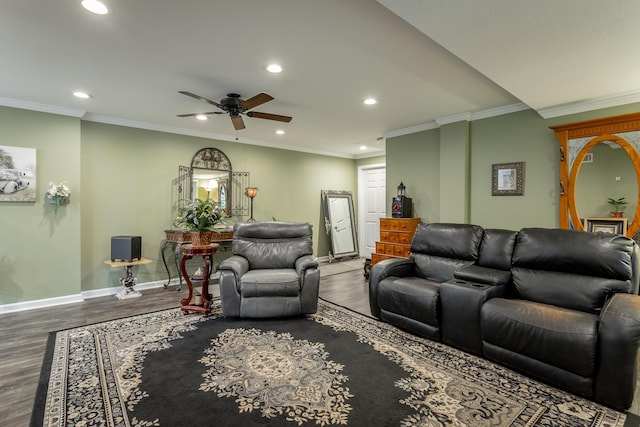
{"x":126,"y":248}
{"x":401,"y":207}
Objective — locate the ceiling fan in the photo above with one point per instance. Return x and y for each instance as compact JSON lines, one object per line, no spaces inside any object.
{"x":236,"y":107}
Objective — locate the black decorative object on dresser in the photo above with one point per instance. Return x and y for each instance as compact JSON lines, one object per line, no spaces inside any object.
{"x":558,"y":305}
{"x":401,"y":205}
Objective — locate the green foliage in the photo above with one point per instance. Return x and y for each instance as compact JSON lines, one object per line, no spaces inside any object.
{"x":199,"y":215}
{"x":618,"y":204}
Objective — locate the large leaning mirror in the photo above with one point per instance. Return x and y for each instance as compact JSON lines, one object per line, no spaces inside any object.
{"x":599,"y":159}
{"x":340,"y":224}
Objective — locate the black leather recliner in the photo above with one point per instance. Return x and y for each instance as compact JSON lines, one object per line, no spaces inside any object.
{"x":570,"y":319}
{"x":272,"y":272}
{"x":557,"y":305}
{"x":406,"y":292}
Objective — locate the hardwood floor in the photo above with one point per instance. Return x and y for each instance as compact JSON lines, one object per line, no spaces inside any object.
{"x":23,"y":335}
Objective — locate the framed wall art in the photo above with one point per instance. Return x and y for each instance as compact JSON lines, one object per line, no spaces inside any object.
{"x":606,"y":225}
{"x":507,"y":179}
{"x":17,"y":174}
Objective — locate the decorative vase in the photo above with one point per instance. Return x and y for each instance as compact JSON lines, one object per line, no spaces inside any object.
{"x":616,"y":214}
{"x":201,"y":238}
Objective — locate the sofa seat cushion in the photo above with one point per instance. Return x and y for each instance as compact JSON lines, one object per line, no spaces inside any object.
{"x":273,"y":282}
{"x":412,"y":297}
{"x":566,"y":339}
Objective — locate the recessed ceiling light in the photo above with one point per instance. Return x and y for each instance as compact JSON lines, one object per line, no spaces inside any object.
{"x":82,"y":95}
{"x":201,"y":117}
{"x":95,"y":6}
{"x":279,"y":132}
{"x":370,"y":101}
{"x":363,"y":147}
{"x":274,"y":68}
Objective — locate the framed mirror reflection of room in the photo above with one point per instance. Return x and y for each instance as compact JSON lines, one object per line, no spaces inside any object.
{"x":593,"y":144}
{"x":340,"y":224}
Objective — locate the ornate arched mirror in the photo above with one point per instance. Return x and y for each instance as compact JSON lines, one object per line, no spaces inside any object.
{"x":599,"y":159}
{"x":211,"y":177}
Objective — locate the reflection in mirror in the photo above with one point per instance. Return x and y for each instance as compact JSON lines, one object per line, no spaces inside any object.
{"x":339,"y":220}
{"x":210,"y":185}
{"x":607,"y":172}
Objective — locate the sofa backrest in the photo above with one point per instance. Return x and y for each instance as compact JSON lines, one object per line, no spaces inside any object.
{"x":272,"y":244}
{"x":496,"y":248}
{"x":439,"y":249}
{"x":572,"y":269}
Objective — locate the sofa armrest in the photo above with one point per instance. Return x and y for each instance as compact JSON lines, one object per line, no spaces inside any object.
{"x":486,"y":275}
{"x":399,"y":267}
{"x":304,"y":263}
{"x":618,"y":341}
{"x":237,"y":264}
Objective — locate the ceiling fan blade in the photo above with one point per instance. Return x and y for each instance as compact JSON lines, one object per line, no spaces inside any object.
{"x":238,"y":123}
{"x":197,"y":114}
{"x":259,"y":99}
{"x":269,"y":116}
{"x":198,"y":97}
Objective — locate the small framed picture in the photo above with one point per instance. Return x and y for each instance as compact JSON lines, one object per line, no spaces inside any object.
{"x":606,"y":225}
{"x":507,"y":179}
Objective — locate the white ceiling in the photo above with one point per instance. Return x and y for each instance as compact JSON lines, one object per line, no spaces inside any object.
{"x":556,"y":57}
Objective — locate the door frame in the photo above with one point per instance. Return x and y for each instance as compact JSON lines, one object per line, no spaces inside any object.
{"x":361,"y":199}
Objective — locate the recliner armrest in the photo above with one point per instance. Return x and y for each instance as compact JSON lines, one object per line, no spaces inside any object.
{"x":399,"y":267}
{"x":618,"y":341}
{"x":486,"y":275}
{"x":236,"y":263}
{"x":305,"y":262}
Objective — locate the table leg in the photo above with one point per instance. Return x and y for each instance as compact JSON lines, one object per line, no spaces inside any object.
{"x":166,"y":243}
{"x":183,"y":269}
{"x":176,"y":255}
{"x":128,"y":282}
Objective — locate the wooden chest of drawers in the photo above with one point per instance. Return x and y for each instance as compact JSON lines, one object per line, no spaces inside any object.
{"x":395,"y":238}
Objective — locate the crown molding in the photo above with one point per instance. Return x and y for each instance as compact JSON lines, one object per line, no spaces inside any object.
{"x":491,"y":112}
{"x":412,"y":129}
{"x":455,"y":118}
{"x":43,"y":108}
{"x":589,"y":105}
{"x":500,"y":111}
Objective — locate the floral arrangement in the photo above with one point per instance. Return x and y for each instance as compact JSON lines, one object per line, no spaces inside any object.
{"x":199,"y":215}
{"x":58,"y":194}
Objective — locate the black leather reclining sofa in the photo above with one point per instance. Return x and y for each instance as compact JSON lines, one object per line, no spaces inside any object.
{"x":557,"y":305}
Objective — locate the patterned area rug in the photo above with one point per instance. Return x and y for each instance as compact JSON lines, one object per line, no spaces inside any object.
{"x":336,"y":367}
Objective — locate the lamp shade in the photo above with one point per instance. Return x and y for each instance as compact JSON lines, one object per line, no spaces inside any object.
{"x":251,"y":192}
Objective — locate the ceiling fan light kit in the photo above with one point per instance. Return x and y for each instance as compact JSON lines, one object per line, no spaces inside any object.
{"x":235,"y":107}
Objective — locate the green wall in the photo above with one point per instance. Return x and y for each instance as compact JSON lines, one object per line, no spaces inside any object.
{"x":121,"y":183}
{"x":414,"y":160}
{"x":40,"y":250}
{"x":431,"y":165}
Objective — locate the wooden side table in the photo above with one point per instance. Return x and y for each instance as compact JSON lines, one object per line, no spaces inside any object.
{"x":129,"y":280}
{"x":206,"y":252}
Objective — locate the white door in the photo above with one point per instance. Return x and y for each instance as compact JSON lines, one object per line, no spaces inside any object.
{"x":372,"y":205}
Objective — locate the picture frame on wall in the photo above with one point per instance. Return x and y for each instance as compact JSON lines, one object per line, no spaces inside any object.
{"x":606,"y":225}
{"x":507,"y":179}
{"x":17,"y":174}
